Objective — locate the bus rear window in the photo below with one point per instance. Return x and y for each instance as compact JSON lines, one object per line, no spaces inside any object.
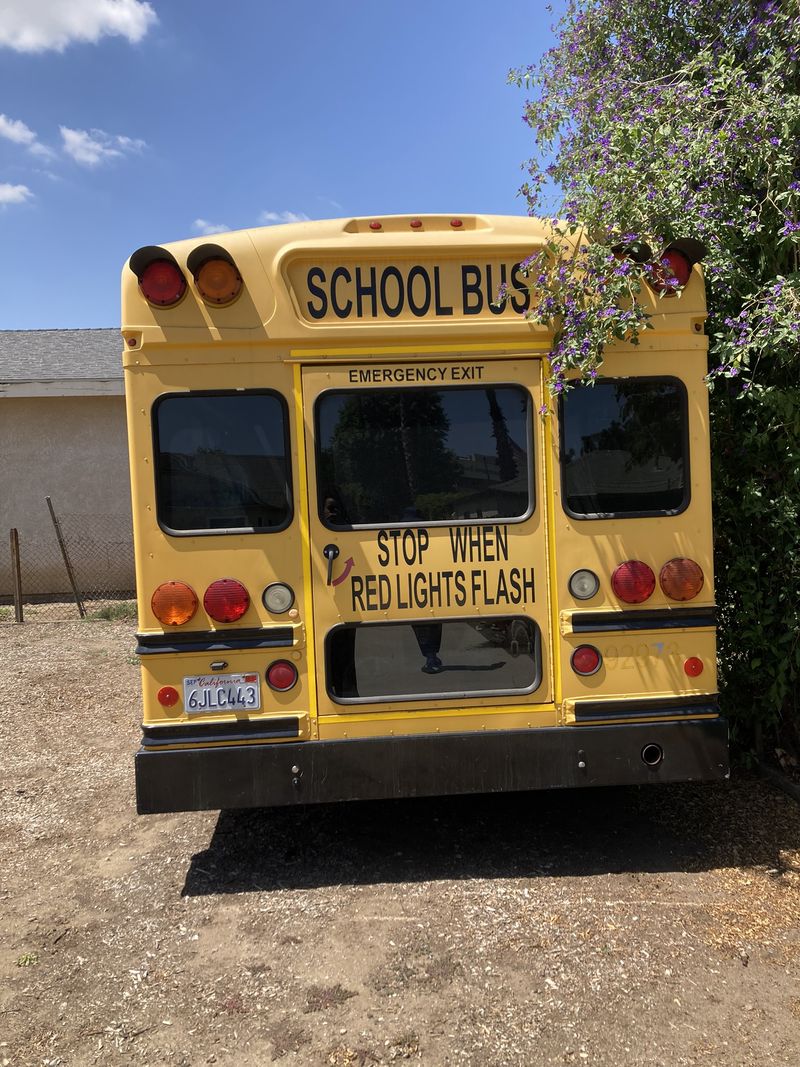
{"x":433,"y":660}
{"x":424,"y":455}
{"x":625,"y":448}
{"x":221,"y":462}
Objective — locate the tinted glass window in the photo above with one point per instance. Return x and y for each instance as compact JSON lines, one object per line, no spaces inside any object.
{"x":221,"y":462}
{"x":422,"y":455}
{"x":406,"y":661}
{"x":624,"y":448}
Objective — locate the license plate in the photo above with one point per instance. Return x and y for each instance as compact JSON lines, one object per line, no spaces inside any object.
{"x":222,"y":692}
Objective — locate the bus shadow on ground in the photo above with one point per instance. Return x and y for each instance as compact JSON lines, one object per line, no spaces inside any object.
{"x":516,"y":835}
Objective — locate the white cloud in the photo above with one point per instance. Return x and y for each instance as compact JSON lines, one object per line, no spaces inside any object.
{"x":41,"y":25}
{"x":14,"y":194}
{"x":269,"y":218}
{"x":333,"y":203}
{"x":15,"y":130}
{"x":91,"y":147}
{"x":205,"y":227}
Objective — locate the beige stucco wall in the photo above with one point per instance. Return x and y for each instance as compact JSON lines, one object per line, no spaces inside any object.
{"x":74,"y":450}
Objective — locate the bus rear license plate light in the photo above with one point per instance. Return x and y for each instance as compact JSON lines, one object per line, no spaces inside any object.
{"x":221,"y":692}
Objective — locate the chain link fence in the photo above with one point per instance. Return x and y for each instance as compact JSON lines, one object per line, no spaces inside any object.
{"x":74,"y":566}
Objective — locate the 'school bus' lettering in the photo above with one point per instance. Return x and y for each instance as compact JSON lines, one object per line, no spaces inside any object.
{"x":369,"y":565}
{"x":389,"y":291}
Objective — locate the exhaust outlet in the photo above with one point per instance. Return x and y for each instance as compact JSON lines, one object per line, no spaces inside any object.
{"x":652,"y":755}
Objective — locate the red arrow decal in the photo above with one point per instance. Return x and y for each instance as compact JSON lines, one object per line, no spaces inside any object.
{"x":347,"y":568}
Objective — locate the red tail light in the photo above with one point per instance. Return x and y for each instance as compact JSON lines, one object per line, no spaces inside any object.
{"x":281,"y":675}
{"x":226,"y":600}
{"x":693,"y":666}
{"x":586,"y":660}
{"x":681,"y":579}
{"x":633,"y":581}
{"x":162,"y":283}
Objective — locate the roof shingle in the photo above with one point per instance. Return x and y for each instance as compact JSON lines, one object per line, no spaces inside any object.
{"x":60,"y":355}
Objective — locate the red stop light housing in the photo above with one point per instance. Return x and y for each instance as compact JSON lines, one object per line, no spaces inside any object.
{"x":673,"y":268}
{"x":161,"y":281}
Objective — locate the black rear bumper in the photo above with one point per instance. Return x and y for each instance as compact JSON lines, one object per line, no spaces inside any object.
{"x":312,"y":772}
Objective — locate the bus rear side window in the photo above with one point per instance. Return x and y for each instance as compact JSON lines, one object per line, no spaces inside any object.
{"x":625,"y":448}
{"x":221,"y":462}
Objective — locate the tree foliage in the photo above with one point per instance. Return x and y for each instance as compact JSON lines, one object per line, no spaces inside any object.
{"x":681,"y":118}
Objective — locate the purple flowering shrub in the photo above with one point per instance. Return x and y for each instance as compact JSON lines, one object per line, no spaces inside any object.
{"x":673,"y":119}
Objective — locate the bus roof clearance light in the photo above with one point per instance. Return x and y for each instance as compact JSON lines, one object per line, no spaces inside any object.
{"x":226,"y":600}
{"x":174,"y":603}
{"x":633,"y":581}
{"x":681,"y":579}
{"x":215,"y":274}
{"x":161,"y":280}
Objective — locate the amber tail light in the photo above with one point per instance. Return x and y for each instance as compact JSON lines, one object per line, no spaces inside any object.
{"x":681,"y":579}
{"x":174,"y":603}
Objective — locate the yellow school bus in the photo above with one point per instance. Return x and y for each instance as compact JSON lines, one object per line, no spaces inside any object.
{"x":373,"y":560}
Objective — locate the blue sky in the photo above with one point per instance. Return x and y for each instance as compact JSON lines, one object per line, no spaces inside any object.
{"x":124,"y":123}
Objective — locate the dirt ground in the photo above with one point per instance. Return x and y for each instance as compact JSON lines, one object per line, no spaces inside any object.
{"x":621,"y":927}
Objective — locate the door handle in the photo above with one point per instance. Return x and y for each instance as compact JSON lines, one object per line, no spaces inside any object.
{"x":330,"y":552}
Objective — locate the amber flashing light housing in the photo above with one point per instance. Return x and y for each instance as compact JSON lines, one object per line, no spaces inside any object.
{"x":174,"y":603}
{"x":226,"y":600}
{"x":681,"y":579}
{"x":215,"y":274}
{"x":633,"y":581}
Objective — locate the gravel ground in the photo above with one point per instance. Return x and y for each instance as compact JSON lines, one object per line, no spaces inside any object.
{"x":620,"y":927}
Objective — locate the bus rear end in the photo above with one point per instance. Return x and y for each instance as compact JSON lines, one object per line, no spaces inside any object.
{"x":373,"y":560}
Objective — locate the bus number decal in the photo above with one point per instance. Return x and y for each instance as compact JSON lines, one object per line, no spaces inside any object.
{"x":625,"y":657}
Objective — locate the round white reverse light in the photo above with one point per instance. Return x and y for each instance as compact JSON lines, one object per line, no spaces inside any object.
{"x":584,"y":584}
{"x":278,"y":598}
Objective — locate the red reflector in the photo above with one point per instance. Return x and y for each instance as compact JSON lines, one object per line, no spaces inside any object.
{"x":586,"y":660}
{"x":226,"y":600}
{"x":693,"y":666}
{"x":456,"y":223}
{"x":162,"y":283}
{"x":281,"y":675}
{"x":374,"y":225}
{"x":415,"y":224}
{"x":168,"y":696}
{"x":633,"y":581}
{"x":674,"y":267}
{"x":681,"y":579}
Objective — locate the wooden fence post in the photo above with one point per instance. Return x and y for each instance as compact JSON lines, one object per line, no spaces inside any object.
{"x":16,"y":575}
{"x":62,"y":545}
